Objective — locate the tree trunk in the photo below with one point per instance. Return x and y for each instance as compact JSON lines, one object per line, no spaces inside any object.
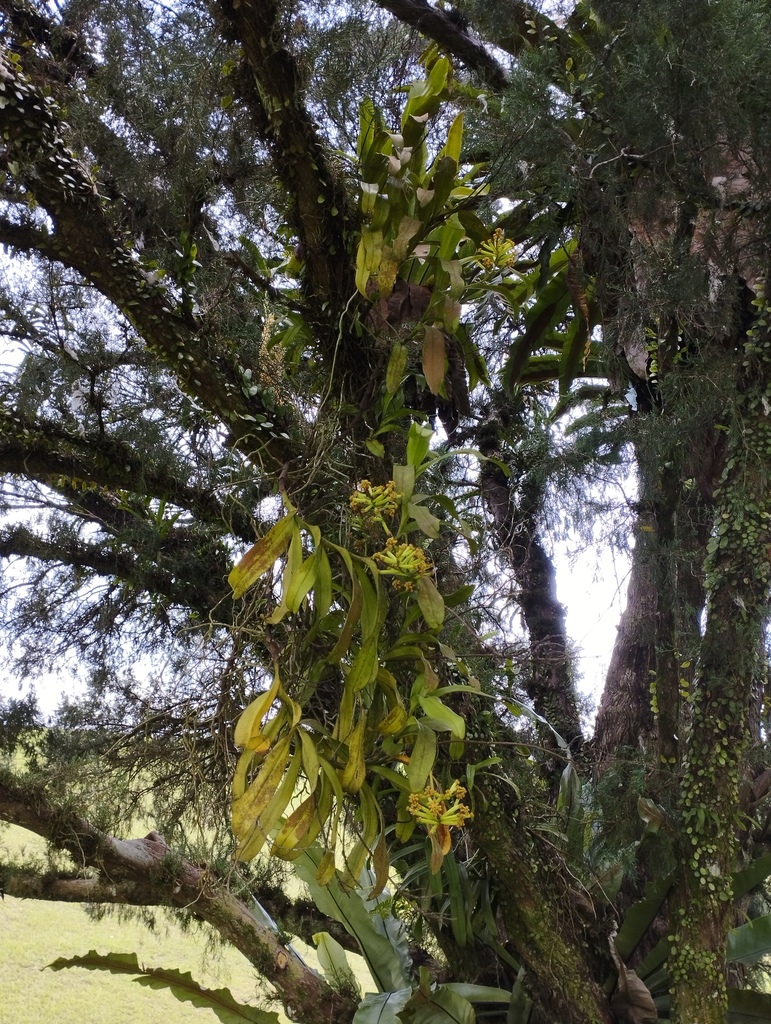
{"x":550,"y":681}
{"x":737,"y":575}
{"x":625,"y":718}
{"x":542,"y":920}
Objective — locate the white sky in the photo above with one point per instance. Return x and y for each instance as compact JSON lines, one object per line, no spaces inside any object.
{"x":594,"y":597}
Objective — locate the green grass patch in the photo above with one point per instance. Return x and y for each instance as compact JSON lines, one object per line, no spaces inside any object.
{"x":34,"y":933}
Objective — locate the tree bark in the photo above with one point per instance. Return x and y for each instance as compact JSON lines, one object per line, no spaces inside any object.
{"x":625,"y":718}
{"x":297,"y":917}
{"x":550,"y":682}
{"x":737,"y":577}
{"x":451,"y":35}
{"x":542,"y":919}
{"x":321,"y":207}
{"x":152,"y":871}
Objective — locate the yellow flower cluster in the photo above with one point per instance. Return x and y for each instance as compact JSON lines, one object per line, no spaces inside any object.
{"x":405,"y":562}
{"x":440,"y":812}
{"x":375,"y":502}
{"x":432,"y":808}
{"x":497,"y":253}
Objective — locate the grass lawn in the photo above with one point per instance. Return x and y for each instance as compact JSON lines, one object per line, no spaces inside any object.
{"x":34,"y":933}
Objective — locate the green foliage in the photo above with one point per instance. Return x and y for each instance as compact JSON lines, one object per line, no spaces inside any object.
{"x":37,"y":932}
{"x":284,"y":276}
{"x":750,"y":942}
{"x":745,"y":1007}
{"x":182,"y":986}
{"x":382,"y":939}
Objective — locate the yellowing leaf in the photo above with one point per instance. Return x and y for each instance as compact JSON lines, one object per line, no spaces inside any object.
{"x":302,"y":581}
{"x":326,"y":869}
{"x":422,"y":758}
{"x":451,"y":312}
{"x":369,"y":191}
{"x":406,"y":232}
{"x":441,"y":843}
{"x":295,"y":710}
{"x":294,"y":561}
{"x":324,"y":800}
{"x":242,"y":768}
{"x":344,"y":724}
{"x":430,"y":676}
{"x":306,"y":830}
{"x":248,"y":808}
{"x":251,"y":845}
{"x":387,"y":680}
{"x":365,"y":664}
{"x":431,"y":603}
{"x":355,"y":770}
{"x":310,"y":756}
{"x":248,"y":725}
{"x":354,"y":861}
{"x":381,"y":866}
{"x":434,"y":359}
{"x":294,"y":829}
{"x":386,"y":271}
{"x":368,"y":257}
{"x":370,"y":815}
{"x":397,"y":363}
{"x":261,"y":556}
{"x":393,"y":722}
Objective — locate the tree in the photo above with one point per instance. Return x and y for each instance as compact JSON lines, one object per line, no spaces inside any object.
{"x":295,"y":305}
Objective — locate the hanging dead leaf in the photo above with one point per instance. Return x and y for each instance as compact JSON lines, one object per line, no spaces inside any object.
{"x":434,"y":359}
{"x":632,"y":1002}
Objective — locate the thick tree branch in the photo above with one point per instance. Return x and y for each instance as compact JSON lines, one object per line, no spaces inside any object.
{"x":437,"y":24}
{"x":515,"y":28}
{"x":36,"y":157}
{"x":322,"y":210}
{"x":191,"y":585}
{"x":28,"y":884}
{"x":545,"y":920}
{"x":296,"y":917}
{"x":550,"y":685}
{"x":625,"y":718}
{"x":151,"y":867}
{"x":58,"y":459}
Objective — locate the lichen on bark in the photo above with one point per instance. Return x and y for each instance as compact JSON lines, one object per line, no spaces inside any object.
{"x":737,"y":576}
